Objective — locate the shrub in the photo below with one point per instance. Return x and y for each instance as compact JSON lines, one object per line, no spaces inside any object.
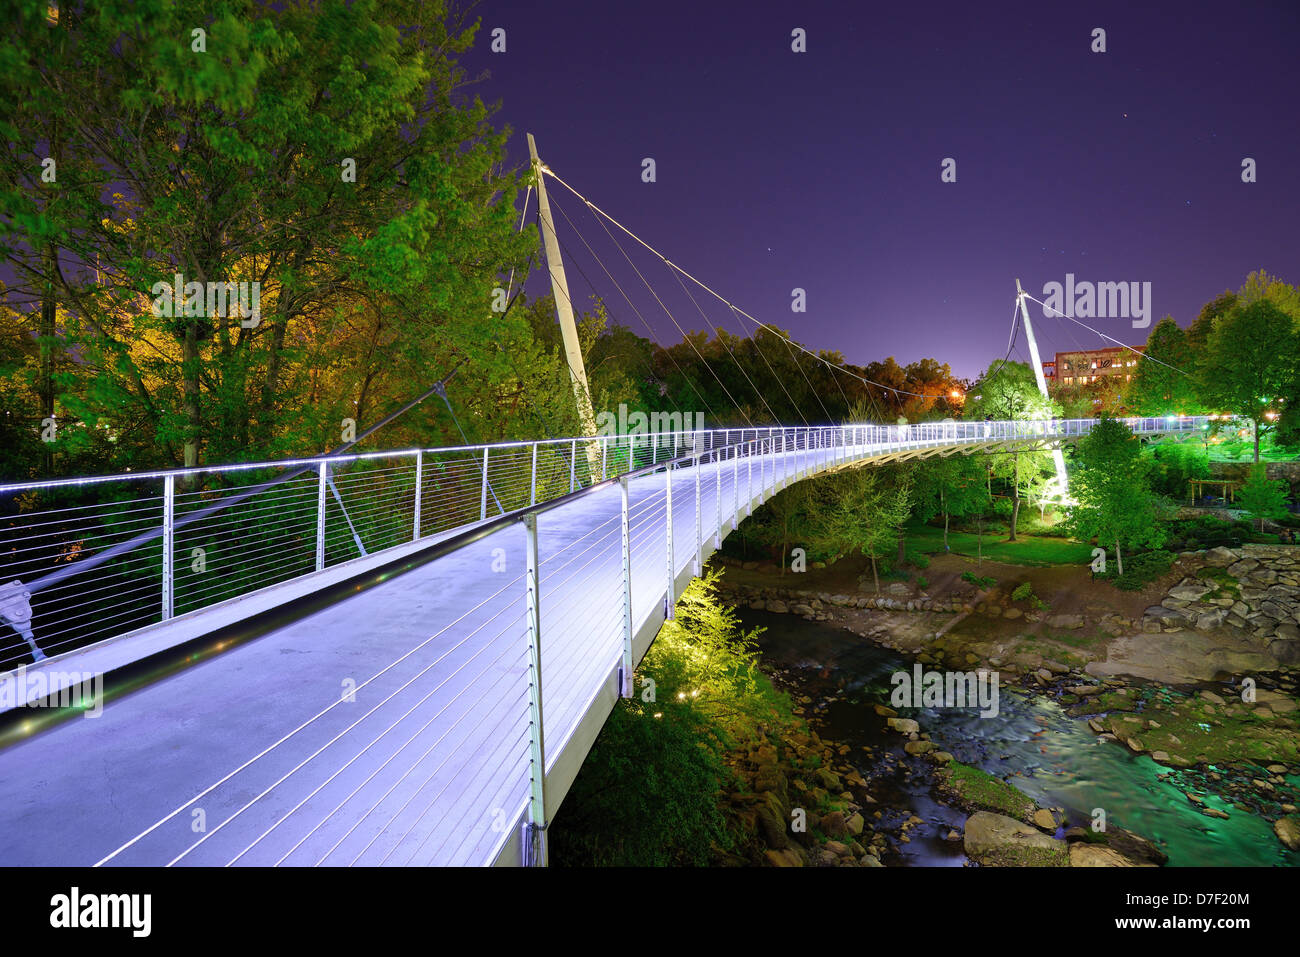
{"x":1139,"y":570}
{"x":1177,"y":462}
{"x":647,"y":794}
{"x":1023,"y":590}
{"x":979,"y":581}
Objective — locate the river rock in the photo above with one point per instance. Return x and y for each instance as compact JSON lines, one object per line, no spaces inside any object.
{"x":1137,"y":850}
{"x":1083,"y":854}
{"x":995,"y":839}
{"x":903,"y":725}
{"x":784,"y":858}
{"x":1065,"y":621}
{"x":1287,"y":830}
{"x":1046,"y":820}
{"x":1190,"y":590}
{"x":1219,"y":557}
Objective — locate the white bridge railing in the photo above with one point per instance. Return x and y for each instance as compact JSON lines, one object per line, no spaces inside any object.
{"x":443,"y":762}
{"x":83,"y":560}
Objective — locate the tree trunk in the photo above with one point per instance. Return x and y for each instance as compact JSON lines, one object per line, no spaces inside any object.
{"x":1015,"y":497}
{"x":1119,"y":559}
{"x":875,"y":576}
{"x":190,"y":378}
{"x":902,"y":547}
{"x":945,"y":531}
{"x":1256,"y":441}
{"x":45,"y":377}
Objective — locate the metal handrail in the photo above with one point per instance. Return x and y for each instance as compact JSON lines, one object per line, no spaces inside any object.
{"x":527,"y":722}
{"x":451,"y":471}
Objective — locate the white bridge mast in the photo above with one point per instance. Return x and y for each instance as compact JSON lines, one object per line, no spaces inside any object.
{"x":564,"y":309}
{"x":1057,"y":457}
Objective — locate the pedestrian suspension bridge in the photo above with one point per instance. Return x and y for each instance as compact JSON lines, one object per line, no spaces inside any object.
{"x":320,"y":706}
{"x":382,"y":658}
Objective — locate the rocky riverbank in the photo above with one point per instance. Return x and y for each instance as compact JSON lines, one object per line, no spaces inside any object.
{"x":1232,"y":746}
{"x":807,"y":804}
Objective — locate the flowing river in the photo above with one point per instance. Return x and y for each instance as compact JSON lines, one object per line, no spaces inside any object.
{"x":1052,"y":757}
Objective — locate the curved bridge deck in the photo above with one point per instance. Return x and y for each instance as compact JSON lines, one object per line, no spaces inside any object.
{"x":379,"y":710}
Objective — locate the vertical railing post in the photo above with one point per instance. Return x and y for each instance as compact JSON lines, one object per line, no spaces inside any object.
{"x":320,"y":518}
{"x":604,"y":459}
{"x":168,"y":544}
{"x":625,"y":686}
{"x":535,"y":827}
{"x":419,"y":481}
{"x":532,"y":483}
{"x":749,"y":499}
{"x":671,"y":601}
{"x":735,"y":487}
{"x":573,"y":463}
{"x":699,"y":519}
{"x":717,"y":508}
{"x":483,"y":496}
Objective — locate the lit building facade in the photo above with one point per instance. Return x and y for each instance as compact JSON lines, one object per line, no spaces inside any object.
{"x":1089,"y":366}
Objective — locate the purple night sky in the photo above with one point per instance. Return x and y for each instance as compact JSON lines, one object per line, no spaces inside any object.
{"x":821,"y":170}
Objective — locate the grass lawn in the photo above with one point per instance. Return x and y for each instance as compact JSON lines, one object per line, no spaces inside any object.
{"x":1247,"y":456}
{"x":1029,"y":550}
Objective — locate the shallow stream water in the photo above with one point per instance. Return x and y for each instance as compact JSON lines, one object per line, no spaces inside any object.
{"x":1032,"y":742}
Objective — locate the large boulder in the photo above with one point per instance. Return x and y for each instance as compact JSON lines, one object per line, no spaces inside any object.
{"x":1065,"y":621}
{"x":1287,"y":830}
{"x":1189,"y":590}
{"x":997,"y":840}
{"x":1083,"y":854}
{"x":1220,"y":557}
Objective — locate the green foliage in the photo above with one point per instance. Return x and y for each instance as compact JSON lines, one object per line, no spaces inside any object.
{"x":948,"y":487}
{"x":1261,"y":496}
{"x":1140,"y":570}
{"x":1009,"y":391}
{"x":1250,"y":361}
{"x":1111,"y":487}
{"x":976,"y":790}
{"x":1161,"y":384}
{"x":979,"y":581}
{"x":648,"y":793}
{"x":232,"y":163}
{"x":1022,"y":591}
{"x":861,"y":511}
{"x":1206,"y":531}
{"x":1174,"y":464}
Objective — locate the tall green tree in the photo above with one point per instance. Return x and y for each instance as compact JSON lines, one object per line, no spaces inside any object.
{"x":325,"y":150}
{"x":1163,"y":382}
{"x":1009,"y":391}
{"x":1111,"y":487}
{"x":951,"y":486}
{"x":1250,"y":362}
{"x":862,"y":511}
{"x":1261,"y":496}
